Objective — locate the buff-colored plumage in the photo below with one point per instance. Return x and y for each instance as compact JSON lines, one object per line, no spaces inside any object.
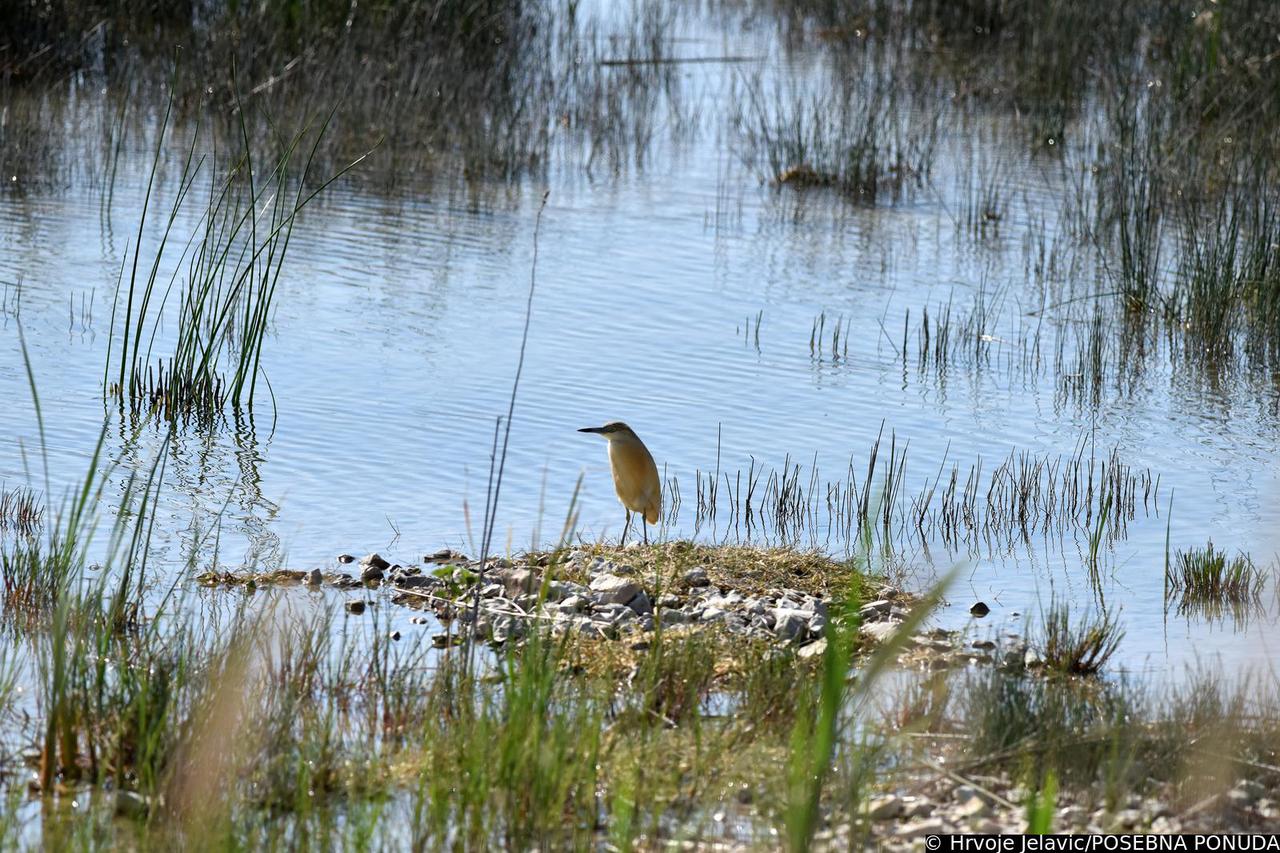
{"x":635,"y":475}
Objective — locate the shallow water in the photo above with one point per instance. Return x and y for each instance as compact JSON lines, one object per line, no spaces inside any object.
{"x":398,"y":323}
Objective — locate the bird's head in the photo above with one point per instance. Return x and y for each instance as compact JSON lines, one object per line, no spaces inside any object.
{"x":611,"y":431}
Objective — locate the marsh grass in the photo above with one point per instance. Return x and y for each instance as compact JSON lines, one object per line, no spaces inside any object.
{"x":21,"y":511}
{"x":1204,"y":576}
{"x":849,"y":135}
{"x":1079,"y":647}
{"x":468,"y":92}
{"x":1087,"y":493}
{"x":225,"y":276}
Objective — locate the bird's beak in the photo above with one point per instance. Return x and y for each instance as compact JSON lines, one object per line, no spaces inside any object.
{"x":596,"y":430}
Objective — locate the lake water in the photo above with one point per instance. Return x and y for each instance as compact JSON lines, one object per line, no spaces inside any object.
{"x":397,"y":327}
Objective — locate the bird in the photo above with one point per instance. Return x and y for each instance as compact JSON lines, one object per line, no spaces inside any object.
{"x":635,"y":476}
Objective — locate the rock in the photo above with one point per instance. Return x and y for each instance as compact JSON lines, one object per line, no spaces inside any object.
{"x":442,"y":640}
{"x":913,"y":807}
{"x":314,"y":578}
{"x":728,"y":601}
{"x":346,"y":558}
{"x":395,"y":635}
{"x":641,"y":603}
{"x":573,"y":604}
{"x":615,"y":612}
{"x":1071,"y":817}
{"x":980,"y":609}
{"x":444,"y":555}
{"x":375,"y":560}
{"x":875,"y":611}
{"x":967,"y":794}
{"x":697,"y":577}
{"x":560,"y":590}
{"x":516,"y":581}
{"x":790,"y":624}
{"x":713,"y":614}
{"x":890,"y":592}
{"x":878,"y":631}
{"x":921,"y":828}
{"x":612,"y":589}
{"x":667,"y":601}
{"x":984,"y":644}
{"x":371,"y":573}
{"x":132,"y":805}
{"x":419,"y":620}
{"x":987,"y":826}
{"x":1246,"y":793}
{"x":817,"y":624}
{"x":973,"y":808}
{"x":813,"y":650}
{"x":884,"y":808}
{"x":355,"y":607}
{"x":417,"y":582}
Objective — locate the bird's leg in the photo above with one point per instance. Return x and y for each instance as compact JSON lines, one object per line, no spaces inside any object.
{"x":644,"y":527}
{"x":625,"y":529}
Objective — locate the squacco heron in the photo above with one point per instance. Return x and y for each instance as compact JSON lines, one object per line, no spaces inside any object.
{"x":635,"y":476}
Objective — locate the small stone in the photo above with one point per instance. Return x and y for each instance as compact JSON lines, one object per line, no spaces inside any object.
{"x":376,"y":561}
{"x":560,"y":590}
{"x":813,"y":650}
{"x":713,"y":614}
{"x":1247,"y":792}
{"x":875,"y":609}
{"x":641,"y":603}
{"x":516,"y":581}
{"x":980,"y":609}
{"x":395,"y":635}
{"x":419,"y":620}
{"x":984,"y":644}
{"x":790,"y":624}
{"x":884,"y":808}
{"x":967,"y":794}
{"x":878,"y":631}
{"x":442,"y":640}
{"x":355,"y":607}
{"x":346,"y":558}
{"x":573,"y":604}
{"x":314,"y":578}
{"x":697,"y":577}
{"x":612,"y":589}
{"x":913,"y":807}
{"x":131,"y":804}
{"x":973,"y":808}
{"x":371,"y":573}
{"x":921,"y":828}
{"x":667,"y":601}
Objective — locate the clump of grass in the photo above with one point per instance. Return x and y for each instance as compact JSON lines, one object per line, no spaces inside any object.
{"x":1202,"y":575}
{"x":20,"y":510}
{"x":234,"y":260}
{"x":1081,"y":647}
{"x":849,"y":136}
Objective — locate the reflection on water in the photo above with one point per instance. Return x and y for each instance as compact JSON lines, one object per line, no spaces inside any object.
{"x":681,"y":298}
